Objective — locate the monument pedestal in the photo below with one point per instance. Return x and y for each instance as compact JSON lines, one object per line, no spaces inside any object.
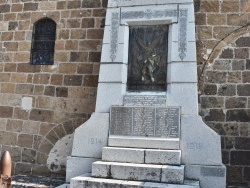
{"x":146,"y":131}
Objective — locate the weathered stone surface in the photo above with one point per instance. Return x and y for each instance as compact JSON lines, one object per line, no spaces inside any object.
{"x":101,"y":169}
{"x":240,"y":157}
{"x":243,"y":90}
{"x":123,"y":155}
{"x":171,"y":157}
{"x":227,"y":53}
{"x":240,"y":115}
{"x":139,"y":172}
{"x":215,"y":115}
{"x":210,"y":89}
{"x":236,"y":102}
{"x":242,"y":143}
{"x":172,"y":174}
{"x":227,"y":90}
{"x":212,"y":102}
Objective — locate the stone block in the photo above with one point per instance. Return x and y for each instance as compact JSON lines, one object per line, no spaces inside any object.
{"x":101,"y":169}
{"x":210,"y":6}
{"x":109,"y":94}
{"x":241,"y":53}
{"x":243,"y":90}
{"x":77,"y":166}
{"x":79,"y":181}
{"x":210,"y":89}
{"x":238,"y":115}
{"x":126,"y":155}
{"x":119,"y":73}
{"x":227,"y":90}
{"x":242,"y":143}
{"x":216,"y":77}
{"x":90,"y":137}
{"x":172,"y":157}
{"x":208,"y":176}
{"x":236,"y":102}
{"x":199,"y":142}
{"x":143,"y":142}
{"x":172,"y":174}
{"x":227,"y":53}
{"x":97,"y":182}
{"x":211,"y":102}
{"x":138,"y":172}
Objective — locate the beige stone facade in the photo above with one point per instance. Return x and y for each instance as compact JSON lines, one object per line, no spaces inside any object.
{"x":63,"y":95}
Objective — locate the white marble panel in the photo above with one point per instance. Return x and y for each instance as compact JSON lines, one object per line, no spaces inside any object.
{"x":91,"y":137}
{"x":182,"y":72}
{"x":143,"y":14}
{"x":120,"y":53}
{"x":118,"y":73}
{"x":109,"y":94}
{"x":187,"y":52}
{"x":191,"y":32}
{"x":109,"y":13}
{"x":184,"y":95}
{"x":199,"y":144}
{"x":190,"y":8}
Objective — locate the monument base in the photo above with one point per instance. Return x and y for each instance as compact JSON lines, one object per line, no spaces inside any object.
{"x":208,"y":176}
{"x":89,"y":139}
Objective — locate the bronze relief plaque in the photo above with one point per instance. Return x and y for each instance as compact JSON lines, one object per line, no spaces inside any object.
{"x":147,"y":62}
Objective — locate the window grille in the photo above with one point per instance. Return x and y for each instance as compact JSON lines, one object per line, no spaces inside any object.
{"x":43,"y":42}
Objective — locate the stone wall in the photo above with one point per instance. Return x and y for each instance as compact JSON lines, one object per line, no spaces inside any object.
{"x":223,"y":48}
{"x":59,"y":97}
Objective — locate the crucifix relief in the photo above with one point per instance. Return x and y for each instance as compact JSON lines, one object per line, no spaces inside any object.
{"x":147,"y":63}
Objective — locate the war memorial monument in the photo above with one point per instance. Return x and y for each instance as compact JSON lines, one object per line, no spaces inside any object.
{"x":146,"y":131}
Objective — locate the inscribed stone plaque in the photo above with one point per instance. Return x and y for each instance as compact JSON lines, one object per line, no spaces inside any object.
{"x":145,"y":121}
{"x":167,"y":122}
{"x":121,"y":119}
{"x":145,"y":100}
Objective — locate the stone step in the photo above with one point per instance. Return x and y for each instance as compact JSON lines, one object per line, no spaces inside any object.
{"x":138,"y":172}
{"x":143,"y":142}
{"x":91,"y":182}
{"x":136,"y":155}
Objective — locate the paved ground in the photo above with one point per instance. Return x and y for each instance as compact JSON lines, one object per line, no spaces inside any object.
{"x":35,"y":181}
{"x":45,"y":182}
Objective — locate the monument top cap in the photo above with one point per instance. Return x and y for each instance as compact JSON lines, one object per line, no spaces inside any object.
{"x":124,"y":3}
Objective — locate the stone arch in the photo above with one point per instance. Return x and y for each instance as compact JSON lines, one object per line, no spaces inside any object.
{"x":217,"y":50}
{"x":54,"y":136}
{"x":224,"y":100}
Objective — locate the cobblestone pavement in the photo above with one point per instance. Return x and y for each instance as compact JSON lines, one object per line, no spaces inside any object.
{"x":36,"y":181}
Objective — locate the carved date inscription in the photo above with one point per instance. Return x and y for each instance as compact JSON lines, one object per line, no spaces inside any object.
{"x":145,"y":121}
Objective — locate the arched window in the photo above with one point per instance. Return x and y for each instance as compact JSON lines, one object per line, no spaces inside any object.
{"x":43,"y":42}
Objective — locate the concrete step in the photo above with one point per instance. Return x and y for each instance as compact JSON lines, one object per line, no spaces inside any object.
{"x":136,"y":155}
{"x":90,"y":182}
{"x":138,"y":172}
{"x":143,"y":142}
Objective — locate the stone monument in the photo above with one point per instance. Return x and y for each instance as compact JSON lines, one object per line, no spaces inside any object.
{"x":146,"y":131}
